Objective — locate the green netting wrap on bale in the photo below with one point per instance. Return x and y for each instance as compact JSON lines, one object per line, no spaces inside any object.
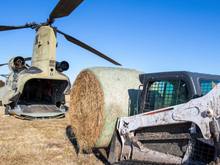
{"x":98,"y":97}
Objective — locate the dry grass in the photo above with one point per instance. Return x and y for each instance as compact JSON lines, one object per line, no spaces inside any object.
{"x":38,"y":142}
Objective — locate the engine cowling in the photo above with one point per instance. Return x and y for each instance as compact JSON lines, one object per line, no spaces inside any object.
{"x":17,"y":63}
{"x":62,"y":66}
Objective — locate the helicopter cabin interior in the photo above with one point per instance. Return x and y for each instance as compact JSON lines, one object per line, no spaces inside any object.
{"x":43,"y":92}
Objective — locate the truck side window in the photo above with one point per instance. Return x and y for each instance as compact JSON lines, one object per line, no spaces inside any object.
{"x":207,"y":85}
{"x":165,"y":93}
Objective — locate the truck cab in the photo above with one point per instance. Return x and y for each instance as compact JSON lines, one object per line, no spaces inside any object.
{"x":153,"y":128}
{"x":167,"y":89}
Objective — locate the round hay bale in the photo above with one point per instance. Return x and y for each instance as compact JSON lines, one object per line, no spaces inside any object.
{"x":98,"y":97}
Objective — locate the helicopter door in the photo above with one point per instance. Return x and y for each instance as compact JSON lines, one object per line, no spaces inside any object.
{"x":43,"y":92}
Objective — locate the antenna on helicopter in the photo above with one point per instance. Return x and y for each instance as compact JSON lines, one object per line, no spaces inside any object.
{"x":62,"y":9}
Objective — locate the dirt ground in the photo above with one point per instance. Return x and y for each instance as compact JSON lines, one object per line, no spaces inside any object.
{"x":43,"y":142}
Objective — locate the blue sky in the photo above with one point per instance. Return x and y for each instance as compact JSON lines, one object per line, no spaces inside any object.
{"x":148,"y":35}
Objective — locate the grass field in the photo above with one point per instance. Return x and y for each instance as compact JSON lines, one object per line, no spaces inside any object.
{"x":38,"y":142}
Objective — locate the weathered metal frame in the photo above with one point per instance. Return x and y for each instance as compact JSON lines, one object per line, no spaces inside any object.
{"x":201,"y":111}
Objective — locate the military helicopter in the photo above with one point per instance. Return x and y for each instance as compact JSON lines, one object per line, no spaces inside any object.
{"x":38,"y":90}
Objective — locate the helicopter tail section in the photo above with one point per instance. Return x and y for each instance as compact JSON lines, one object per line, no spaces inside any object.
{"x":43,"y":91}
{"x":41,"y":98}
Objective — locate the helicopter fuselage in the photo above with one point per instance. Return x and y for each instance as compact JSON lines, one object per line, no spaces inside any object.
{"x":40,"y":85}
{"x":43,"y":83}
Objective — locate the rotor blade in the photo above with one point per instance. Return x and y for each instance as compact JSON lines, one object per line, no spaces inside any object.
{"x":64,"y":8}
{"x":26,"y":59}
{"x":4,"y":75}
{"x":4,"y":64}
{"x":87,"y":47}
{"x":3,"y":28}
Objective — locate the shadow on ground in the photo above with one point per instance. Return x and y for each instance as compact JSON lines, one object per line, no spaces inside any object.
{"x":99,"y":153}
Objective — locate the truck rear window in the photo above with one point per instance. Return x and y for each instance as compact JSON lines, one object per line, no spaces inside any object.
{"x":207,"y":85}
